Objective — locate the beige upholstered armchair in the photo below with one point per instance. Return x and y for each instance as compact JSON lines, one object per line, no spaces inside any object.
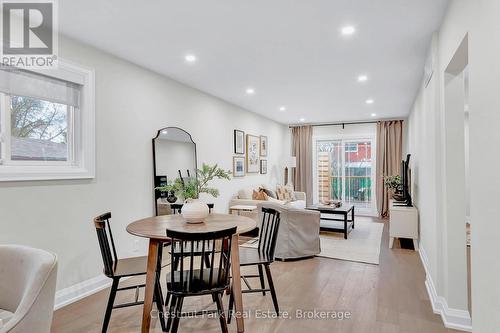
{"x":298,"y":235}
{"x":27,"y":289}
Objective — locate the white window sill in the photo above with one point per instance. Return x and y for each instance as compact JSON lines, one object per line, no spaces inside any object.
{"x":17,"y":173}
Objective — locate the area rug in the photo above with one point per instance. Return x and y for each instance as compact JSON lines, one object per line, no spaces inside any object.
{"x":362,"y":243}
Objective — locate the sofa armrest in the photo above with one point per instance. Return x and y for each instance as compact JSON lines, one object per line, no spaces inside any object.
{"x":304,"y":213}
{"x":247,"y":202}
{"x":300,"y":195}
{"x":298,"y":235}
{"x":287,"y":211}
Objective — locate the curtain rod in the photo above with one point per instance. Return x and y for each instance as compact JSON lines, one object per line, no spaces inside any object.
{"x":344,"y":123}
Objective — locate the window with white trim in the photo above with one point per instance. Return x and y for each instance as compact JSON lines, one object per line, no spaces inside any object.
{"x":46,"y":124}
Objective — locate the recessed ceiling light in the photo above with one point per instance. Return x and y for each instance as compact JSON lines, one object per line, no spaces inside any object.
{"x":164,"y":132}
{"x":370,"y":101}
{"x":302,"y":120}
{"x":191,"y":58}
{"x":348,"y":30}
{"x":373,"y":115}
{"x":282,"y":108}
{"x":362,"y":78}
{"x":250,"y":91}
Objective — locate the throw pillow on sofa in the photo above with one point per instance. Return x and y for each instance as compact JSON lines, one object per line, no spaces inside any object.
{"x":285,"y":193}
{"x":260,"y":195}
{"x":270,"y":193}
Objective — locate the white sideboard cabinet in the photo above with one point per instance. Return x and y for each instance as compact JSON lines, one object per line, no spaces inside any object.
{"x":403,"y":223}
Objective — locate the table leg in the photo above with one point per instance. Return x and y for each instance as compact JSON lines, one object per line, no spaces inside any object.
{"x":345,"y":225}
{"x":236,"y":280}
{"x":150,"y":284}
{"x":353,"y":217}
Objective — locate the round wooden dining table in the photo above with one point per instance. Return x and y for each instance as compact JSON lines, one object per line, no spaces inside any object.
{"x":155,"y":229}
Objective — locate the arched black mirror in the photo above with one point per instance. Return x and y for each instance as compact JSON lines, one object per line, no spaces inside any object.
{"x":174,"y":156}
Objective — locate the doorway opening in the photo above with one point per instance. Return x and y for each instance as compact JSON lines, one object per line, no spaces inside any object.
{"x":456,"y":174}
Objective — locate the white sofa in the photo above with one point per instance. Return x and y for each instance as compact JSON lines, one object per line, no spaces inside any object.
{"x":27,"y":289}
{"x":244,"y":197}
{"x":298,"y":235}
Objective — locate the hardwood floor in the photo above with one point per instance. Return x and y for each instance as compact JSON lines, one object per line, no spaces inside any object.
{"x":390,"y":297}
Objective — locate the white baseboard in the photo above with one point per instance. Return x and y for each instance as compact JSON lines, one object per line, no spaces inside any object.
{"x":80,"y":290}
{"x":452,"y":318}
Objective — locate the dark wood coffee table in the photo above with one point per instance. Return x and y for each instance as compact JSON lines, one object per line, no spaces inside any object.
{"x":344,"y":211}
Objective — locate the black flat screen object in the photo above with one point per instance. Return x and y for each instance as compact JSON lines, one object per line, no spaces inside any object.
{"x":405,"y":179}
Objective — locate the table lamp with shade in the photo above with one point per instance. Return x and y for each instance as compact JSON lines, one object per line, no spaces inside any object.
{"x":291,"y":162}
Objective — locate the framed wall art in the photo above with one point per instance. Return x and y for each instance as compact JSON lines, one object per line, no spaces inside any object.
{"x":263,"y":146}
{"x":263,"y":166}
{"x":239,"y":142}
{"x":238,"y":166}
{"x":253,"y":148}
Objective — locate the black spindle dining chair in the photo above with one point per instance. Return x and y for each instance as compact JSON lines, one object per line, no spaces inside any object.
{"x":262,"y":257}
{"x":192,"y":277}
{"x":116,"y":269}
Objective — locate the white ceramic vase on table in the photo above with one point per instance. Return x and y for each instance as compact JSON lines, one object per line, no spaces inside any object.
{"x":194,"y":211}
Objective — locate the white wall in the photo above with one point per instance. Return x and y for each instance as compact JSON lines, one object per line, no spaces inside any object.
{"x":431,"y":127}
{"x":131,"y":105}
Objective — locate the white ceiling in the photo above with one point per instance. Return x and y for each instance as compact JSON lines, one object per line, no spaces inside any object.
{"x":290,"y":51}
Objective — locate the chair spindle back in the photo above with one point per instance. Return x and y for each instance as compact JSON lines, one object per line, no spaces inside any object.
{"x":192,"y":274}
{"x":106,"y":243}
{"x":269,"y":231}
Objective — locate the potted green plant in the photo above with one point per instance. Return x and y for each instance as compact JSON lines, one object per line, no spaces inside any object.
{"x":194,"y":210}
{"x":393,"y":184}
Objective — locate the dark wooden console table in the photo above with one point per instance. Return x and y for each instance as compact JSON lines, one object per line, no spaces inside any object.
{"x":344,"y":211}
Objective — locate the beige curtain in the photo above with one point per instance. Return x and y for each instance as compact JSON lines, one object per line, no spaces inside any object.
{"x":389,"y":155}
{"x":302,"y":150}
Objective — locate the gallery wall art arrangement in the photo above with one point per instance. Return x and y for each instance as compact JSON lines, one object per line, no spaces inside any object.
{"x":254,"y":150}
